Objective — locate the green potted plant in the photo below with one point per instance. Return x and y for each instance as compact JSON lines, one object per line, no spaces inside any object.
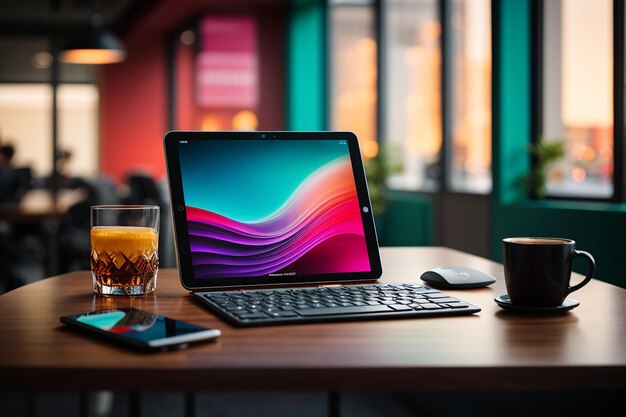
{"x":377,"y":170}
{"x":546,"y":153}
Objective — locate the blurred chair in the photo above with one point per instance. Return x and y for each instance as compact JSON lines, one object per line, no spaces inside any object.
{"x":143,"y":189}
{"x":74,"y":232}
{"x":14,"y":183}
{"x":105,"y":189}
{"x":167,"y":251}
{"x":9,"y":252}
{"x":22,"y":255}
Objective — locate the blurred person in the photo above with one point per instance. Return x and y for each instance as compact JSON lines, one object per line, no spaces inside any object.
{"x":6,"y":155}
{"x":13,"y":245}
{"x":65,"y":180}
{"x":141,"y":189}
{"x":74,"y":232}
{"x":8,"y":177}
{"x":63,"y":158}
{"x":14,"y":181}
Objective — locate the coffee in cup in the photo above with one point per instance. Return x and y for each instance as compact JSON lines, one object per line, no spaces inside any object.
{"x":537,"y":270}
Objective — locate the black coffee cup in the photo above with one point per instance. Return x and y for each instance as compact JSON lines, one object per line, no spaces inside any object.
{"x":537,"y":270}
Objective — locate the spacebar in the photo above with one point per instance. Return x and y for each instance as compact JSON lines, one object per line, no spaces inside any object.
{"x":333,"y":311}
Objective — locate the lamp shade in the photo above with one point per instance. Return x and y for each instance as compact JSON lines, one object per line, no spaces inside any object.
{"x":95,"y":45}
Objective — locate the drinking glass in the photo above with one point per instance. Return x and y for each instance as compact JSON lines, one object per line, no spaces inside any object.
{"x":124,"y":249}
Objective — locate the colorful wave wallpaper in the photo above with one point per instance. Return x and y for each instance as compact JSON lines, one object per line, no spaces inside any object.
{"x":314,"y":225}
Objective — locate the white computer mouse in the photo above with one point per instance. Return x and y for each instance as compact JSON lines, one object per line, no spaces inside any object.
{"x":457,"y":277}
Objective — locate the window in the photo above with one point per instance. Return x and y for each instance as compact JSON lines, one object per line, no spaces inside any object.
{"x":25,"y":122}
{"x":470,"y":91}
{"x":577,"y":73}
{"x":354,"y":72}
{"x":413,"y":91}
{"x":26,"y":108}
{"x":412,"y":122}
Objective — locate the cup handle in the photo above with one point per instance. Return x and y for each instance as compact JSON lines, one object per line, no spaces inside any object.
{"x":592,"y":269}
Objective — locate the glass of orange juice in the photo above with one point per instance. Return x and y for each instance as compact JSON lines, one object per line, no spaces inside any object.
{"x":124,"y":249}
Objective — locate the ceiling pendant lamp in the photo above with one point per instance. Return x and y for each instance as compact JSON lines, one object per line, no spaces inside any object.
{"x":95,"y":45}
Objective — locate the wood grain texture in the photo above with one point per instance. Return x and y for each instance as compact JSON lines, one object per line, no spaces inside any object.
{"x":585,"y":348}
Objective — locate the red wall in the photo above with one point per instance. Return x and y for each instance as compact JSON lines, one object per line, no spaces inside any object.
{"x":185,"y":110}
{"x":133,"y":94}
{"x":133,"y":112}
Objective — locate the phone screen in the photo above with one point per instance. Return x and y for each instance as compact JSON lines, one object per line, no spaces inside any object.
{"x":140,"y":328}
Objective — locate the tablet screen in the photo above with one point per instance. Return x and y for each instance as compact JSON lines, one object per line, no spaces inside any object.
{"x":275,"y":209}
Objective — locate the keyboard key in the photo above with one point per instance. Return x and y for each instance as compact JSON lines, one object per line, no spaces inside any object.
{"x":401,"y":307}
{"x":272,"y":313}
{"x":430,"y":306}
{"x":288,"y":314}
{"x":327,"y":311}
{"x":447,"y":300}
{"x":437,"y":295}
{"x":252,"y":316}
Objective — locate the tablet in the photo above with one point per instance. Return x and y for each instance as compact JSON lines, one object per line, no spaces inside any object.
{"x":270,"y":208}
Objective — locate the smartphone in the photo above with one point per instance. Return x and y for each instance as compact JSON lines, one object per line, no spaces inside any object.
{"x":140,"y":329}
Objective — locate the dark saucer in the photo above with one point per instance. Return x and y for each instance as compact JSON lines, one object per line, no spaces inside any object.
{"x":505,"y":302}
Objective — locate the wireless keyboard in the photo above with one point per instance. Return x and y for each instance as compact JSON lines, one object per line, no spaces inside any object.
{"x":326,"y":304}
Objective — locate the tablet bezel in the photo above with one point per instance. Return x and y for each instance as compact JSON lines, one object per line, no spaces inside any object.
{"x":181,"y":235}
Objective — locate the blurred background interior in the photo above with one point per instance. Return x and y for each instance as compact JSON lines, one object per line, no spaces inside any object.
{"x":445,"y":96}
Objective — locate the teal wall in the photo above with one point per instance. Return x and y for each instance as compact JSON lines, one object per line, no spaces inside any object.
{"x":512,"y":129}
{"x":306,"y":67}
{"x":599,"y":228}
{"x":409,"y":220}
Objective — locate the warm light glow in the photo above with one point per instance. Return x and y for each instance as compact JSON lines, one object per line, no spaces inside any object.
{"x":356,"y":101}
{"x":370,"y":149}
{"x":42,"y":60}
{"x":589,"y":154}
{"x":579,"y":174}
{"x":366,"y":46}
{"x":210,"y":123}
{"x":430,"y":32}
{"x":245,"y":120}
{"x":93,"y":56}
{"x":577,"y":152}
{"x":606,"y":154}
{"x":188,"y":37}
{"x":423,"y":104}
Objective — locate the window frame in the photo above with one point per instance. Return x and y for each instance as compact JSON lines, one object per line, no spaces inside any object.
{"x":619,"y":90}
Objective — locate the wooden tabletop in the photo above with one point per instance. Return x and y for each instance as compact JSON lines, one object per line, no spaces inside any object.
{"x":585,"y":348}
{"x":38,"y":205}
